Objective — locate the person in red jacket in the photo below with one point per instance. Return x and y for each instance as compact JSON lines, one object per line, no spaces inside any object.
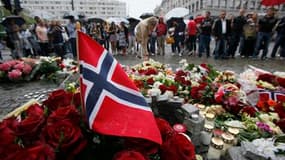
{"x":192,"y":31}
{"x":161,"y":31}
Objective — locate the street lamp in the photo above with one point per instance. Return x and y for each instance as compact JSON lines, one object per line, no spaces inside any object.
{"x":72,"y":5}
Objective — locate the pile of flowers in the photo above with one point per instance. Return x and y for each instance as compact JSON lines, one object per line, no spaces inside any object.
{"x":15,"y":70}
{"x":57,"y":130}
{"x":238,"y":96}
{"x":27,"y":69}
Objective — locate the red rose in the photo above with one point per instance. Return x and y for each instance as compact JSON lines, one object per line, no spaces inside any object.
{"x":281,"y":124}
{"x":35,"y":109}
{"x":7,"y":139}
{"x":65,"y":137}
{"x":66,"y":113}
{"x":30,"y":127}
{"x":129,"y":155}
{"x":180,"y":73}
{"x":163,"y":88}
{"x":39,"y":151}
{"x":251,"y":111}
{"x":77,"y":99}
{"x":150,"y":81}
{"x":164,"y":127}
{"x":58,"y":98}
{"x":150,"y":71}
{"x":281,"y":81}
{"x":178,"y":147}
{"x":144,"y":146}
{"x":205,"y":66}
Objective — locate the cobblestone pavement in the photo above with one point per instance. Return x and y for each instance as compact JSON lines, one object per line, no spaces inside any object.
{"x":13,"y":95}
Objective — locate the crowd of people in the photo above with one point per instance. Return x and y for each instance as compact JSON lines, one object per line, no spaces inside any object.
{"x":246,"y":34}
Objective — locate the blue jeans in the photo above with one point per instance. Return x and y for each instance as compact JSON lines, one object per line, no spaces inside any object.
{"x":152,"y":44}
{"x":221,"y":48}
{"x":204,"y":44}
{"x":263,"y":40}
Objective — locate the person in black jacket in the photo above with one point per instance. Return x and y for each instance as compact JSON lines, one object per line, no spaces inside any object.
{"x":237,"y":33}
{"x":205,"y":34}
{"x":265,"y":28}
{"x":221,"y":32}
{"x":280,"y":39}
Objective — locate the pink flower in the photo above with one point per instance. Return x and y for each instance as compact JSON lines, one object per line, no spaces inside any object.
{"x":14,"y":74}
{"x":19,"y":66}
{"x":13,"y":62}
{"x":5,"y":67}
{"x":27,"y":69}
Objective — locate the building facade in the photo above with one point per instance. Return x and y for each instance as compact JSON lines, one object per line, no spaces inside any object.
{"x":90,"y":8}
{"x":197,"y":7}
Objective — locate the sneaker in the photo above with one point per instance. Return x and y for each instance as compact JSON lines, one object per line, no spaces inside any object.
{"x":173,"y":54}
{"x":180,"y":55}
{"x":190,"y":53}
{"x":138,"y":56}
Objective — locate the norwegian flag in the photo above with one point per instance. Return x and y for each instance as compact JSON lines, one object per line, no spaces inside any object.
{"x":277,"y":96}
{"x":113,"y":104}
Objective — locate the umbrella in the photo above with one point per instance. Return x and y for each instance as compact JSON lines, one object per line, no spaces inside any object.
{"x":117,"y":20}
{"x":133,"y":20}
{"x":176,"y":13}
{"x":17,"y":19}
{"x":73,"y":14}
{"x":146,"y":15}
{"x":170,"y":21}
{"x":42,"y":14}
{"x":95,"y":20}
{"x":272,"y":2}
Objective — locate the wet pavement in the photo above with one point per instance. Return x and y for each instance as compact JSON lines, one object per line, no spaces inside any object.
{"x":13,"y":95}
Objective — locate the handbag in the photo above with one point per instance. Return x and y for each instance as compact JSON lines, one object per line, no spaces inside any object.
{"x":169,"y":40}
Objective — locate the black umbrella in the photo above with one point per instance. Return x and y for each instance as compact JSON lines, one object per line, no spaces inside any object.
{"x":146,"y":15}
{"x":17,"y":19}
{"x":73,"y":15}
{"x":95,"y":20}
{"x":133,"y":20}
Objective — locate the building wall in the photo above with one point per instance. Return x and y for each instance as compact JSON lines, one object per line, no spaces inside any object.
{"x":215,"y":6}
{"x":91,"y":8}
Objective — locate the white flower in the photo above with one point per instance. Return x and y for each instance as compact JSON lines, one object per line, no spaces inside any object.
{"x":156,"y":84}
{"x":154,"y":92}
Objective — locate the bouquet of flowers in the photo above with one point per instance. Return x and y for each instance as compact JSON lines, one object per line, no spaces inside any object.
{"x":57,"y":130}
{"x":15,"y":70}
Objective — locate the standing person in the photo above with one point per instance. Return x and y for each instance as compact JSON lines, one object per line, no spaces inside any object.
{"x":57,"y":38}
{"x":106,"y":35}
{"x":26,"y":35}
{"x":205,"y":34}
{"x":280,"y":39}
{"x":152,"y":41}
{"x":237,"y":33}
{"x":265,"y":28}
{"x":179,"y":36}
{"x":249,"y":32}
{"x":132,"y":39}
{"x":221,"y":32}
{"x":123,"y":38}
{"x":192,"y":31}
{"x":72,"y":36}
{"x":161,"y":31}
{"x":113,"y":37}
{"x":42,"y":34}
{"x":14,"y":39}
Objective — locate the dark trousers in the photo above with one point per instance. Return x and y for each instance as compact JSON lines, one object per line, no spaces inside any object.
{"x":248,"y":48}
{"x":152,"y":44}
{"x":204,"y":44}
{"x":262,"y":42}
{"x":221,"y":47}
{"x":59,"y":50}
{"x":191,"y":42}
{"x":233,"y":43}
{"x":44,"y":49}
{"x":72,"y":42}
{"x":278,"y":43}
